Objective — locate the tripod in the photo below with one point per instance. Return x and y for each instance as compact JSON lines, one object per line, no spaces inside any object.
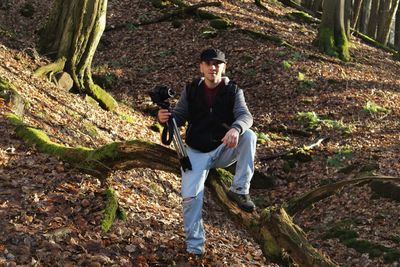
{"x":173,"y":134}
{"x":160,"y":96}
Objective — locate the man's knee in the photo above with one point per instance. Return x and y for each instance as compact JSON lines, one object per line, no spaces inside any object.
{"x":187,"y":200}
{"x":249,"y":136}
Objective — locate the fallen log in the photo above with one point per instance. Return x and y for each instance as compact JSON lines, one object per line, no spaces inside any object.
{"x":183,"y":10}
{"x":298,"y":204}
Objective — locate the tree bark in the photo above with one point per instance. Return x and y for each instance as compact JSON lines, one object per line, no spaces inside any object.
{"x":387,"y":12}
{"x":397,"y":30}
{"x":356,"y":13}
{"x":331,"y":37}
{"x":373,"y":19}
{"x":362,"y":23}
{"x":73,"y":32}
{"x":348,"y":14}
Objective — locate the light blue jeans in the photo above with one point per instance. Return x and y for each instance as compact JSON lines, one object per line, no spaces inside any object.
{"x":193,"y":183}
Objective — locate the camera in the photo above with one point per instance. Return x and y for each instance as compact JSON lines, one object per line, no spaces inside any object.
{"x":160,"y":95}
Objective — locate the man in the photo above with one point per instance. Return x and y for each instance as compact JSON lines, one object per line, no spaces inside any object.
{"x":217,"y":135}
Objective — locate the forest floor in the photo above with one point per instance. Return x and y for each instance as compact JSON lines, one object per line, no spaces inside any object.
{"x":50,"y":213}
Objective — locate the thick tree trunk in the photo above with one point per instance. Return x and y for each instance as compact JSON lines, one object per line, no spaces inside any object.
{"x":387,"y":12}
{"x":332,"y":37}
{"x":373,"y":19}
{"x":73,"y":32}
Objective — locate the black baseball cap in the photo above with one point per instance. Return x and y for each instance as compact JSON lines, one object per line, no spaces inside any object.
{"x":212,"y":54}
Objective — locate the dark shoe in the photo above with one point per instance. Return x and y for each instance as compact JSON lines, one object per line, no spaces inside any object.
{"x":244,"y":201}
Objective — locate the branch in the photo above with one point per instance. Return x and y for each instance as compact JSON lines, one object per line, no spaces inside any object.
{"x":298,"y":204}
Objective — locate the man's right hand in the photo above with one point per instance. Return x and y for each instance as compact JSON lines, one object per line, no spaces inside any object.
{"x":163,"y":115}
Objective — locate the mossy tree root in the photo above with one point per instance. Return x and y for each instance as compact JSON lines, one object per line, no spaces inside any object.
{"x":292,"y":238}
{"x":101,"y":161}
{"x":50,"y":69}
{"x":274,"y":230}
{"x":110,"y":210}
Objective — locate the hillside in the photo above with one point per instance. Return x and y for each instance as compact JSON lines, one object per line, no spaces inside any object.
{"x":50,"y":212}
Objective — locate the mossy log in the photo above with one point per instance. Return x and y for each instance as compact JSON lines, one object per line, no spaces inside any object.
{"x":111,"y":209}
{"x":101,"y":161}
{"x":266,"y":37}
{"x":292,"y":238}
{"x":180,"y":12}
{"x":372,"y":42}
{"x":274,"y":230}
{"x":295,"y":5}
{"x":298,"y":204}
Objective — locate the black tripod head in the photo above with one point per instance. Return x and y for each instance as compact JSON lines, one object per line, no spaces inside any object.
{"x":161,"y":94}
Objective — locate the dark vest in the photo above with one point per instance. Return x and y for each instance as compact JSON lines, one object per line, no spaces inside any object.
{"x":207,"y":126}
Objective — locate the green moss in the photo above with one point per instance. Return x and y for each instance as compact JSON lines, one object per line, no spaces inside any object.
{"x":326,"y":41}
{"x":121,"y":213}
{"x":157,"y":127}
{"x":81,"y":156}
{"x":206,"y":15}
{"x":225,"y":176}
{"x":105,"y":100}
{"x":220,"y":24}
{"x":301,"y":17}
{"x":126,"y":117}
{"x":342,"y":230}
{"x":340,"y":233}
{"x":91,"y":129}
{"x":342,"y":45}
{"x":110,"y":211}
{"x":365,"y":246}
{"x":14,"y":119}
{"x":4,"y":85}
{"x":391,"y":255}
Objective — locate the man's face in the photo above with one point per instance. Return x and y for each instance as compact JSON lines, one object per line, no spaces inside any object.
{"x":212,"y":70}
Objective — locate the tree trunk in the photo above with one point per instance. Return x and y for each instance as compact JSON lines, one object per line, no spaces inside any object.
{"x":356,"y":12}
{"x":73,"y":32}
{"x":373,"y":19}
{"x":331,"y":37}
{"x":387,"y":11}
{"x":364,"y":16}
{"x":397,"y":30}
{"x":348,"y":14}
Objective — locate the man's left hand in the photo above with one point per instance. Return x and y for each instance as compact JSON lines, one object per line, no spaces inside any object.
{"x":231,"y":138}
